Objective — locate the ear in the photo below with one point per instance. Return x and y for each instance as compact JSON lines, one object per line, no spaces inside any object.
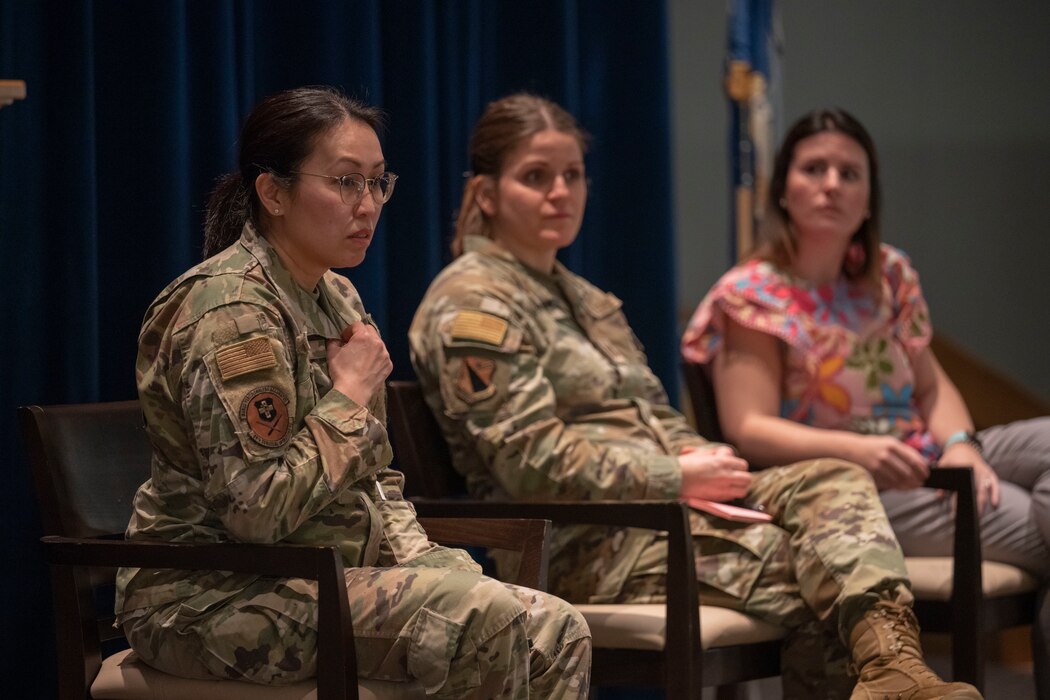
{"x":485,"y":194}
{"x":270,"y":194}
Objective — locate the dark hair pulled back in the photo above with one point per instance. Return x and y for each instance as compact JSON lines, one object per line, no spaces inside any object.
{"x":503,"y":125}
{"x":279,"y":134}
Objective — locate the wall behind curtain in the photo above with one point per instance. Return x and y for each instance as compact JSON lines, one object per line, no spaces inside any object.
{"x":133,"y":110}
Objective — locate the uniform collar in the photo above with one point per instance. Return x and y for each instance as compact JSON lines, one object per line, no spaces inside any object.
{"x":316,"y":311}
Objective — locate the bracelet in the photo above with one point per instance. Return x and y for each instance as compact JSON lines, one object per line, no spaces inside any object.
{"x":967,"y":436}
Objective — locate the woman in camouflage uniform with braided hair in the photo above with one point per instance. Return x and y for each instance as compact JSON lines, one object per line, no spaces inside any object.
{"x":261,"y":378}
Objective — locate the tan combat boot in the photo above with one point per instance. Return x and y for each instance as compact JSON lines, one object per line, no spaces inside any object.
{"x":888,"y":659}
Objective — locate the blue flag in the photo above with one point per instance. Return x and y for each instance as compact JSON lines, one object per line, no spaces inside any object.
{"x":752,"y":81}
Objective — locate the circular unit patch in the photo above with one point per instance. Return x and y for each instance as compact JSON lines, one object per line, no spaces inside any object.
{"x":265,"y":412}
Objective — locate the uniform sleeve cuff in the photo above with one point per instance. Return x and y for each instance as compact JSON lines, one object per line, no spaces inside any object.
{"x":341,"y":412}
{"x":664,"y":479}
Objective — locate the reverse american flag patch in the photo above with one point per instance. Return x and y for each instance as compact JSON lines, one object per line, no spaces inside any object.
{"x":244,"y":357}
{"x":479,"y":326}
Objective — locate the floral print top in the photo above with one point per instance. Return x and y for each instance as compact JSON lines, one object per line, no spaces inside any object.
{"x":847,"y":354}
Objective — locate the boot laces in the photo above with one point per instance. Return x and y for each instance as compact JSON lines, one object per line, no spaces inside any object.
{"x":902,"y":632}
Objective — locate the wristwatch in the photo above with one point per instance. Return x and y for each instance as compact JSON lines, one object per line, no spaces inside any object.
{"x":967,"y":436}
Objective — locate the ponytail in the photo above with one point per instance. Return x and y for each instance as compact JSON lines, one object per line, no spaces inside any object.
{"x":229,"y":207}
{"x":471,"y":220}
{"x":278,"y":135}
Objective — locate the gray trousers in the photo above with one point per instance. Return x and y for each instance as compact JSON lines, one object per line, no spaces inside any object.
{"x":1017,"y":532}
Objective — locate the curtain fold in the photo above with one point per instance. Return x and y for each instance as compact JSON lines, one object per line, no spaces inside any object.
{"x":132,"y":113}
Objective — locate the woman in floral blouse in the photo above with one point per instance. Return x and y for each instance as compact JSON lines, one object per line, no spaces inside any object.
{"x":819,"y":345}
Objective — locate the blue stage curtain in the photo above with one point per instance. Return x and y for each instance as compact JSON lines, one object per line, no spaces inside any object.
{"x":133,"y":110}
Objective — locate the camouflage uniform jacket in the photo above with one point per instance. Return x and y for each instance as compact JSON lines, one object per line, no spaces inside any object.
{"x":250,"y":441}
{"x":544,"y":393}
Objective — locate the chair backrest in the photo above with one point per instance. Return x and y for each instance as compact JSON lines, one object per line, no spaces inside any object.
{"x":419,"y":446}
{"x":88,"y":460}
{"x":702,"y":400}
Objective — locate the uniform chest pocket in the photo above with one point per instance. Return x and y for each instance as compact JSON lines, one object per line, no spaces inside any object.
{"x":317,"y":373}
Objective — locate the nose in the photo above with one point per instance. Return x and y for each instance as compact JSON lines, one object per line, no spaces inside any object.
{"x":368,"y":202}
{"x":559,"y":187}
{"x":832,"y":179}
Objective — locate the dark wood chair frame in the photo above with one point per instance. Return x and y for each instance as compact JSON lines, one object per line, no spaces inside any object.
{"x":683,"y":668}
{"x":967,"y":617}
{"x":89,"y":544}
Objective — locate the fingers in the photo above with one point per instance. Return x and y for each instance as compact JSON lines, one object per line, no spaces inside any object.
{"x":903,"y":466}
{"x":717,"y":476}
{"x":332,"y":348}
{"x":355,"y":328}
{"x":988,"y":492}
{"x":917,"y":467}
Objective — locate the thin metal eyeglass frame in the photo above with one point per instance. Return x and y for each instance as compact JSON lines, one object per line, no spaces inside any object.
{"x":371,"y":183}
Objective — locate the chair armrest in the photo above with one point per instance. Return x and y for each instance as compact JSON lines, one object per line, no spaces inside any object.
{"x":528,"y":537}
{"x":337,"y":661}
{"x":967,"y":583}
{"x":683,"y":602}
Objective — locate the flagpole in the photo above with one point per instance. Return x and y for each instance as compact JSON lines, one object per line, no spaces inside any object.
{"x":738,"y":87}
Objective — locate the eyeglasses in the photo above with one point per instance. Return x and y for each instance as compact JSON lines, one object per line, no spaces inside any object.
{"x":352,"y":186}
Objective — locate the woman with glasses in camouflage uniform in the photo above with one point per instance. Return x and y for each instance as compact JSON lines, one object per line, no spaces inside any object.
{"x":262,"y":382}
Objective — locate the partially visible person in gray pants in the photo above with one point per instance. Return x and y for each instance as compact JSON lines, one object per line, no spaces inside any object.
{"x":1017,"y":531}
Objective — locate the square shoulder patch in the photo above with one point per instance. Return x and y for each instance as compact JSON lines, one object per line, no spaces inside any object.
{"x":244,"y":357}
{"x":480,"y":327}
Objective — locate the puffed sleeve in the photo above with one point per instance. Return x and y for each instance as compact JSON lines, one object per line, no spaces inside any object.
{"x":911,"y":316}
{"x":754,"y":295}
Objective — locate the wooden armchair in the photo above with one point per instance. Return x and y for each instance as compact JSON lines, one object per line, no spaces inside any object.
{"x":956,"y":595}
{"x":681,"y":645}
{"x":87,"y":462}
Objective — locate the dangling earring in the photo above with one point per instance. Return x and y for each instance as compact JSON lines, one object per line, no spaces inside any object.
{"x":856,"y":256}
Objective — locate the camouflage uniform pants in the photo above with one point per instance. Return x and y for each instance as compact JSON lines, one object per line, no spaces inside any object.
{"x":826,"y":558}
{"x":462,"y":635}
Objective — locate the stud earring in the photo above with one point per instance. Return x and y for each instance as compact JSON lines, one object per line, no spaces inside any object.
{"x":276,"y":211}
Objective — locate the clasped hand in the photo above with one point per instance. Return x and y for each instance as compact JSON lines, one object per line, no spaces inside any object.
{"x":714,"y":475}
{"x":893,"y":464}
{"x":359,"y":364}
{"x":985,"y":481}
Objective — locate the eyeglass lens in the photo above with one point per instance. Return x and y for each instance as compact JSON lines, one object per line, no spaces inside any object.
{"x":352,"y":187}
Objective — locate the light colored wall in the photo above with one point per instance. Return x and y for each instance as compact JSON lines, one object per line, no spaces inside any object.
{"x":956,"y":94}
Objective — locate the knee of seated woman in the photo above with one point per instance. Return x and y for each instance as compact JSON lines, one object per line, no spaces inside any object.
{"x":828,"y":469}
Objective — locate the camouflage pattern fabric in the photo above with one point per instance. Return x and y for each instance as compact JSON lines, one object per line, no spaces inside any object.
{"x":251,"y":444}
{"x":544,"y":393}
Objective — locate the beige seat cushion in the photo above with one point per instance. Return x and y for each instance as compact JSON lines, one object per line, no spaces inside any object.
{"x":643,"y":626}
{"x":931,"y":578}
{"x":124,"y":677}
